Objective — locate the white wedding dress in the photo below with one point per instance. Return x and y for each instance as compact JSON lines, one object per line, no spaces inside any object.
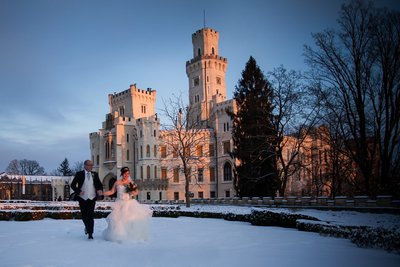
{"x":129,"y":220}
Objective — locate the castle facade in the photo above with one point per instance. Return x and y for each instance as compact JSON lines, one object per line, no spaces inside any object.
{"x":131,"y":135}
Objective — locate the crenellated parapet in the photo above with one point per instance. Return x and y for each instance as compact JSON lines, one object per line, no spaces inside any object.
{"x":205,"y":57}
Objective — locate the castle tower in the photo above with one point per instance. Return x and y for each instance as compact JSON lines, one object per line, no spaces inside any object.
{"x":206,"y":73}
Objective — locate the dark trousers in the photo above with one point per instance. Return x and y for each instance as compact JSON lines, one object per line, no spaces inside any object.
{"x":87,"y":211}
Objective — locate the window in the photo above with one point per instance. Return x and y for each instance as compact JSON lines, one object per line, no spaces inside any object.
{"x":143,"y":109}
{"x":227,"y":193}
{"x":163,"y":173}
{"x":141,"y":172}
{"x":97,"y":160}
{"x":196,"y":81}
{"x":200,"y":194}
{"x":148,"y":151}
{"x":212,"y":50}
{"x":199,"y":150}
{"x":186,"y":152}
{"x":200,"y":178}
{"x":155,"y":151}
{"x":112,"y":149}
{"x":227,"y":172}
{"x":198,"y":52}
{"x":127,"y":154}
{"x":148,"y":172}
{"x":176,"y":175}
{"x":212,"y":194}
{"x":176,"y":195}
{"x":211,"y":150}
{"x":212,"y":174}
{"x":107,"y":147}
{"x":218,"y":80}
{"x":226,"y":127}
{"x":127,"y":138}
{"x":227,"y":147}
{"x":163,"y":151}
{"x":148,"y":196}
{"x":141,"y":152}
{"x":155,"y":133}
{"x":155,"y":172}
{"x":121,"y":111}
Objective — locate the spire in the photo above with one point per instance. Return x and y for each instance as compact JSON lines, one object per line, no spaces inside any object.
{"x":204,"y":18}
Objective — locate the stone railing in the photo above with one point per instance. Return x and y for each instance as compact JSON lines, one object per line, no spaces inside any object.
{"x":293,"y":202}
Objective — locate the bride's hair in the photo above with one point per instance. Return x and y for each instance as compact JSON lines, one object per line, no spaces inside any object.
{"x":124,"y":170}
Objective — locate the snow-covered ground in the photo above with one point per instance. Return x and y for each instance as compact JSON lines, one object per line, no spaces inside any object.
{"x":180,"y":241}
{"x":189,"y":242}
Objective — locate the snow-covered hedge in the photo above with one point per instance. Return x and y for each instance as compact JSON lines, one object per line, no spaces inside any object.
{"x":368,"y":237}
{"x":362,"y":236}
{"x":270,"y":218}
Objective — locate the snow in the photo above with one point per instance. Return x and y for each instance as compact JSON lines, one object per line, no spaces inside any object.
{"x":191,"y":242}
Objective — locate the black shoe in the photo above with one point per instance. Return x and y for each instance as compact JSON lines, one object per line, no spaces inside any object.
{"x":85,"y":231}
{"x":90,"y":236}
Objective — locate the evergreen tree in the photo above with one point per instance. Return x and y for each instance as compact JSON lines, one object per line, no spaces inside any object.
{"x":64,"y":168}
{"x":254,"y":135}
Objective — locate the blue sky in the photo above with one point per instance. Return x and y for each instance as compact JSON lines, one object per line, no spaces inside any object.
{"x":60,"y":59}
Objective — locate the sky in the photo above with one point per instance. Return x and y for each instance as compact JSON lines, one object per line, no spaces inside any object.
{"x":193,"y":242}
{"x":59,"y":59}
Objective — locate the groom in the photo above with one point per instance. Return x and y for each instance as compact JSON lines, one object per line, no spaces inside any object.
{"x":87,"y":185}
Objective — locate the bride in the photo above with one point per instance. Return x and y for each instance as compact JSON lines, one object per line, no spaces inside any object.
{"x":128,"y":220}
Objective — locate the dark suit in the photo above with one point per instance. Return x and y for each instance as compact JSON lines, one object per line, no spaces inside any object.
{"x":86,"y":206}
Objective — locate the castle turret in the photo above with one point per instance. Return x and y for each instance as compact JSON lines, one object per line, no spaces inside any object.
{"x":206,"y":73}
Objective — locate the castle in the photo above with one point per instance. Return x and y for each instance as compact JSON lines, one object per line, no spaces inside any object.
{"x":131,"y":135}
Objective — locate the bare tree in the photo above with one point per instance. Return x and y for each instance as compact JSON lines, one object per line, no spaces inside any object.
{"x":385,"y":97}
{"x":78,"y":166}
{"x":184,"y":141}
{"x":25,"y":167}
{"x":358,"y":68}
{"x":294,"y":117}
{"x":13,"y":167}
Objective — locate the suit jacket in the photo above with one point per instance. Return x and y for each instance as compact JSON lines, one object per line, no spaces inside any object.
{"x":79,"y":178}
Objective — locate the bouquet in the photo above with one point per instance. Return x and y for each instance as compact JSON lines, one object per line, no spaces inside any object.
{"x":130,"y":187}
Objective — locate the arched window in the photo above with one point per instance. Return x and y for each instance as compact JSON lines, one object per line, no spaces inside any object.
{"x":213,"y":50}
{"x":227,"y":171}
{"x":107,"y":147}
{"x":148,"y":151}
{"x":148,"y":172}
{"x":112,"y":149}
{"x":155,"y":150}
{"x":155,"y":172}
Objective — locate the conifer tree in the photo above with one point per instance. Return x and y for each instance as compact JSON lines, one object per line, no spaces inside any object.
{"x":64,"y":168}
{"x":254,"y":135}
